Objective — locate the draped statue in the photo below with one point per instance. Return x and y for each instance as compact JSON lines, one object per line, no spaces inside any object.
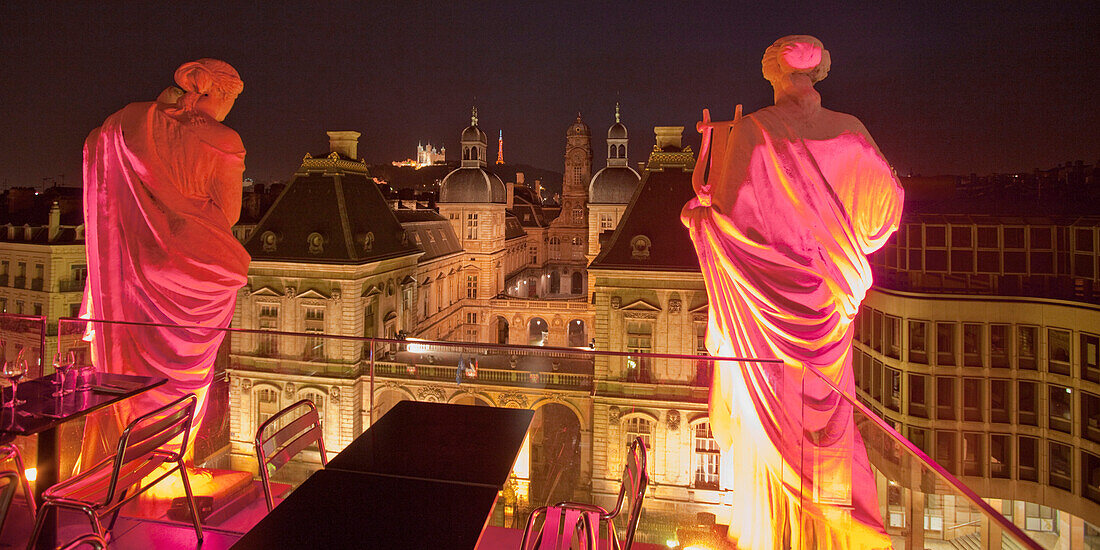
{"x":790,"y":202}
{"x":162,"y":188}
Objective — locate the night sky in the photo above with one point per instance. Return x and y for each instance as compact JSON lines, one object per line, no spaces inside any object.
{"x":955,"y":88}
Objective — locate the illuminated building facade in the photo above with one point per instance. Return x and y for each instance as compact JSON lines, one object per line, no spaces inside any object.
{"x":426,"y":155}
{"x":979,"y":344}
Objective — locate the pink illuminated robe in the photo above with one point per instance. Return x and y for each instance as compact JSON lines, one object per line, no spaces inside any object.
{"x":782,"y":227}
{"x":162,"y":190}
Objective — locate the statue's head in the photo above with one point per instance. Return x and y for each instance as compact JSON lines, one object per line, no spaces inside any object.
{"x":796,"y":54}
{"x":210,"y":86}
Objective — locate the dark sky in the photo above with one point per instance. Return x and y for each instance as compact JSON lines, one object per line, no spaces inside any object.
{"x":951,"y":88}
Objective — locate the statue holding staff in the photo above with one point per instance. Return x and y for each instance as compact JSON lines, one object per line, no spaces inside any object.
{"x":790,"y":202}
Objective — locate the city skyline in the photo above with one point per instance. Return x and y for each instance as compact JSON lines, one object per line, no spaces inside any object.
{"x":963,"y":89}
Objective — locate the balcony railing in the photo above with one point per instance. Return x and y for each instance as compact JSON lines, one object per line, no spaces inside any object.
{"x":70,"y":285}
{"x":20,"y":282}
{"x":360,"y":378}
{"x":37,"y":284}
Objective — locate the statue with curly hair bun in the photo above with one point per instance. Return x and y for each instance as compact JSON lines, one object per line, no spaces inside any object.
{"x":162,"y":189}
{"x":789,"y":202}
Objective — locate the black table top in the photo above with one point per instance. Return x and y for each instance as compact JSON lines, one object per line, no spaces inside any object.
{"x":440,"y":441}
{"x":337,"y":509}
{"x":43,"y":411}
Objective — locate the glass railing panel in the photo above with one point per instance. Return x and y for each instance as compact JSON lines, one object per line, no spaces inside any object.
{"x":704,"y":472}
{"x":887,"y":486}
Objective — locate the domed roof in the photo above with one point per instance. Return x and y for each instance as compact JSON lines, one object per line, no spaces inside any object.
{"x":578,"y":128}
{"x":472,"y":185}
{"x":616,"y":131}
{"x":613,"y":185}
{"x":473,"y":133}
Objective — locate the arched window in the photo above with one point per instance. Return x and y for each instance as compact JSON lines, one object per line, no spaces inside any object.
{"x":635,"y":427}
{"x":473,"y":153}
{"x":705,"y":457}
{"x":318,"y":399}
{"x":465,"y":153}
{"x":267,"y":403}
{"x":622,"y":151}
{"x":577,"y":283}
{"x":611,"y":151}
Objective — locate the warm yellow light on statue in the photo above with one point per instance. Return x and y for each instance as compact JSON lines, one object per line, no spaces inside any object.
{"x":31,"y":473}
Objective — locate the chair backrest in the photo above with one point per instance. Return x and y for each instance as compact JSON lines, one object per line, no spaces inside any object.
{"x":632,"y":492}
{"x":275,"y":445}
{"x":559,"y":527}
{"x":152,"y":432}
{"x":9,"y":482}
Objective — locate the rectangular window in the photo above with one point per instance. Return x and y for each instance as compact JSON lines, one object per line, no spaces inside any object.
{"x":918,"y":347}
{"x":945,"y":344}
{"x":1028,"y":402}
{"x":38,"y":309}
{"x":892,"y":345}
{"x":972,"y":399}
{"x":314,"y":324}
{"x":973,"y":453}
{"x":607,"y":222}
{"x":1058,"y":357}
{"x":471,"y":286}
{"x":945,"y":450}
{"x":972,"y":344}
{"x":919,"y":437}
{"x":918,"y":395}
{"x":471,"y":226}
{"x":1061,"y":466}
{"x":1039,"y":518}
{"x":639,"y":339}
{"x":1061,"y":409}
{"x":1090,"y":416}
{"x":1090,"y":369}
{"x":893,"y":389}
{"x":471,"y":317}
{"x":1000,"y":455}
{"x":268,"y":319}
{"x":1000,"y":400}
{"x":707,"y":458}
{"x":998,"y":345}
{"x":876,"y":388}
{"x":876,"y":330}
{"x":945,"y":398}
{"x":1090,"y":484}
{"x":533,"y":252}
{"x":1026,"y":340}
{"x":1029,"y":458}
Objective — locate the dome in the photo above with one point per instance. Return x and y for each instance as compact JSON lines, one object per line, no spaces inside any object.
{"x":613,"y":185}
{"x":473,"y":133}
{"x":616,"y":131}
{"x":472,"y":185}
{"x":578,"y":128}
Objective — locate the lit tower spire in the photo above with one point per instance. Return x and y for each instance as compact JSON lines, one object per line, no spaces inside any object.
{"x":500,"y":147}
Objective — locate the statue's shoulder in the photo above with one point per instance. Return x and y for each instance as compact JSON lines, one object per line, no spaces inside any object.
{"x":844,"y":122}
{"x":221,"y":137}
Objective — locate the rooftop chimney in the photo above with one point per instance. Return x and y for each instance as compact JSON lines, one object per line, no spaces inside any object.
{"x":511,"y":201}
{"x":668,"y":135}
{"x":344,"y":143}
{"x":55,"y":221}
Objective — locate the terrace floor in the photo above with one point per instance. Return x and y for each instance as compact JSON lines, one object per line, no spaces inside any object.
{"x":131,"y":533}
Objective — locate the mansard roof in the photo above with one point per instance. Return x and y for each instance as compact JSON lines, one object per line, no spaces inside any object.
{"x":650,"y":236}
{"x":330,"y":216}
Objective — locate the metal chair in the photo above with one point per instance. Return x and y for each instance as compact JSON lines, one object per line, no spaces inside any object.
{"x":282,"y":444}
{"x":631,"y":494}
{"x":559,"y":527}
{"x":145,"y":446}
{"x":8,"y":451}
{"x":9,"y":482}
{"x":95,"y":542}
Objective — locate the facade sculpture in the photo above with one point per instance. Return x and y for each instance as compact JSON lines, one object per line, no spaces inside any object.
{"x":162,"y":188}
{"x":789,"y":202}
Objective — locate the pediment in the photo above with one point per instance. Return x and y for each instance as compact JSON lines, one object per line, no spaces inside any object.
{"x":311,"y":293}
{"x":265,"y":291}
{"x":641,"y":305}
{"x":702,"y":308}
{"x":371,"y":291}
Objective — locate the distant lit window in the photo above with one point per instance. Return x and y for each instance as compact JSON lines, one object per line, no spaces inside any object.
{"x":1090,"y":368}
{"x":578,"y":215}
{"x":945,"y":344}
{"x":639,"y":340}
{"x":471,"y":286}
{"x":998,"y":345}
{"x":918,"y":341}
{"x":268,"y":319}
{"x":607,"y":222}
{"x":318,"y":400}
{"x":314,"y":324}
{"x":1058,"y":351}
{"x":706,"y":457}
{"x":1026,"y":345}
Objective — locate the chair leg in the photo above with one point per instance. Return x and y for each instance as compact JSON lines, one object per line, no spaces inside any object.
{"x":191,"y":500}
{"x":39,"y":523}
{"x":27,"y":492}
{"x":97,"y":527}
{"x":114,"y":515}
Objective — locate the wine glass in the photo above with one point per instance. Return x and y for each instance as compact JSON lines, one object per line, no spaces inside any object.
{"x":84,"y":373}
{"x":13,"y":371}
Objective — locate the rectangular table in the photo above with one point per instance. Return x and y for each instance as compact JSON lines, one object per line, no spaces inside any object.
{"x":336,"y":509}
{"x":42,"y":414}
{"x":440,"y":441}
{"x":425,"y":475}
